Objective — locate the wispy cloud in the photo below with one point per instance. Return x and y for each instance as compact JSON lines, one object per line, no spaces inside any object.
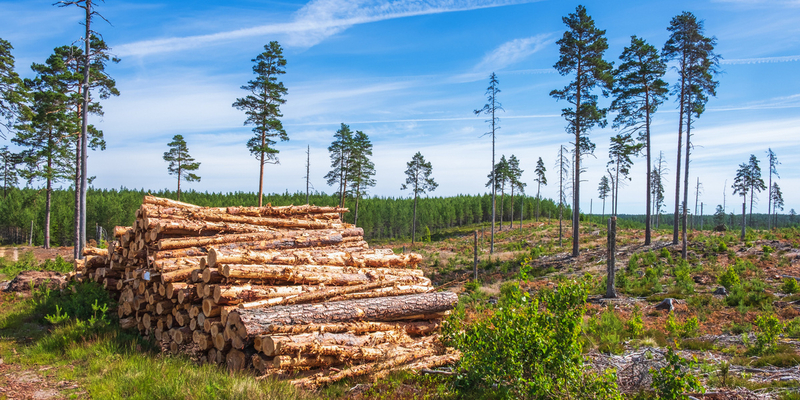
{"x":316,"y":21}
{"x":761,"y":60}
{"x":768,"y":3}
{"x":512,"y":52}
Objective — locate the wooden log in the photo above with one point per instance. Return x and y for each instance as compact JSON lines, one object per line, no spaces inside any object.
{"x":262,"y":240}
{"x":303,"y":361}
{"x":398,"y":290}
{"x":332,"y":256}
{"x":261,"y":363}
{"x":208,"y":322}
{"x":95,"y":251}
{"x":179,"y":253}
{"x":172,"y":287}
{"x":323,"y":293}
{"x":309,"y":342}
{"x":176,"y":276}
{"x":220,"y":343}
{"x":316,"y":274}
{"x":182,"y":335}
{"x":211,"y":275}
{"x":120,"y":231}
{"x":257,"y":321}
{"x":363,"y":369}
{"x":415,"y":328}
{"x":230,"y":295}
{"x":237,"y":360}
{"x":160,"y":201}
{"x":174,"y":264}
{"x":128,"y":323}
{"x":423,"y":363}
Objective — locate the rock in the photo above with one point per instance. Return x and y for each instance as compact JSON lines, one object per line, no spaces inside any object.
{"x":721,"y":291}
{"x":666,"y":304}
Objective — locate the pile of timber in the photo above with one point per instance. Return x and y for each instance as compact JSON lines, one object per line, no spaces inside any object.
{"x":288,"y":291}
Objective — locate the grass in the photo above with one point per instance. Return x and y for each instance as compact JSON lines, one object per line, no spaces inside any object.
{"x":110,"y":363}
{"x":27,"y":262}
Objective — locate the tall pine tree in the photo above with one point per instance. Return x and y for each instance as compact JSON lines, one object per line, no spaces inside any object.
{"x":773,"y":170}
{"x":180,"y":162}
{"x":697,"y":65}
{"x":339,"y":152}
{"x":581,"y":56}
{"x":638,"y":91}
{"x":419,"y":181}
{"x":490,"y":109}
{"x":13,"y":93}
{"x":263,"y":108}
{"x":619,"y":153}
{"x":540,"y":180}
{"x":361,"y":168}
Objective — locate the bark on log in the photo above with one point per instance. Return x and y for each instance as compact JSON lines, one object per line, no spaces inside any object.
{"x":178,"y":275}
{"x":237,"y":360}
{"x":316,"y":274}
{"x":262,"y":240}
{"x":231,"y":295}
{"x":374,"y":289}
{"x":415,"y":328}
{"x":95,"y":251}
{"x":336,"y":257}
{"x":303,"y":361}
{"x":257,"y":321}
{"x":179,"y":253}
{"x":309,"y":342}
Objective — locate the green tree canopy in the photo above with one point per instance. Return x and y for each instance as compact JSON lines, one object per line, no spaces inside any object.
{"x":262,"y":107}
{"x":581,"y":51}
{"x":419,"y":181}
{"x":180,"y":162}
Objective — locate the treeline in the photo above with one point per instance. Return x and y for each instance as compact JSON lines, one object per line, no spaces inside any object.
{"x":381,"y":217}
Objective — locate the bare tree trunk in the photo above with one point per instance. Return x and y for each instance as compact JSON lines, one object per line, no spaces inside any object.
{"x":611,"y":292}
{"x":684,"y":249}
{"x":414,"y":220}
{"x":648,"y":201}
{"x":744,"y":222}
{"x":261,"y":176}
{"x":85,"y":125}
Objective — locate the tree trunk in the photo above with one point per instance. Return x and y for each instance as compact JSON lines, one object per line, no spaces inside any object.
{"x":414,"y":219}
{"x":48,"y":200}
{"x":647,"y":223}
{"x":681,"y":99}
{"x":261,"y":175}
{"x":744,"y":222}
{"x":258,"y":321}
{"x":684,"y":244}
{"x":85,"y":121}
{"x":611,"y":292}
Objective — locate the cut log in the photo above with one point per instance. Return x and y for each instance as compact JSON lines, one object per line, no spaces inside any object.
{"x":226,"y":294}
{"x":179,"y":253}
{"x":316,"y":274}
{"x":262,"y":240}
{"x":305,"y":343}
{"x":174,"y":264}
{"x":261,"y":363}
{"x":415,"y":328}
{"x":95,"y":251}
{"x":336,"y":257}
{"x":237,"y":360}
{"x":303,"y":361}
{"x":175,"y":276}
{"x":323,"y":293}
{"x":363,"y":369}
{"x":128,"y":323}
{"x":171,"y":288}
{"x":257,"y":321}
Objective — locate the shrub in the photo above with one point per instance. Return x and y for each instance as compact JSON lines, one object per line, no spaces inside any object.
{"x":790,"y":286}
{"x":529,"y":348}
{"x":634,"y":327}
{"x":675,"y":379}
{"x":769,"y":327}
{"x":729,"y":279}
{"x":686,"y":329}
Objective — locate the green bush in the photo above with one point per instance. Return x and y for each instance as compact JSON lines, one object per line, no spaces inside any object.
{"x":27,"y":262}
{"x":768,"y":329}
{"x":790,"y":286}
{"x":729,"y":278}
{"x":686,"y":329}
{"x":529,"y":348}
{"x":675,"y":379}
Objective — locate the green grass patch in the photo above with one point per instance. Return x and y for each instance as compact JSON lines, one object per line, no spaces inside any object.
{"x":27,"y":262}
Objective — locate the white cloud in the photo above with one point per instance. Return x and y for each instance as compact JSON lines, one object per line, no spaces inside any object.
{"x":316,"y":21}
{"x":761,"y":60}
{"x":512,"y":52}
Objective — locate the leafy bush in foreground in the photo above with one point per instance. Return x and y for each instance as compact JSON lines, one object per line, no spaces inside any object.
{"x":529,"y":348}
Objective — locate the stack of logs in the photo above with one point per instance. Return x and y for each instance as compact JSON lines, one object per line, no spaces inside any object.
{"x":289,"y":291}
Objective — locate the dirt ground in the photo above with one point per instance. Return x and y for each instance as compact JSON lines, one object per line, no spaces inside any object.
{"x":17,"y":382}
{"x":14,"y":253}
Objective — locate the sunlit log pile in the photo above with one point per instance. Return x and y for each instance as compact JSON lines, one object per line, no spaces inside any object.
{"x":290,"y":291}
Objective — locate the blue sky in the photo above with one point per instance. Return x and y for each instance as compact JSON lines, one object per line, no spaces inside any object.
{"x":409,"y":73}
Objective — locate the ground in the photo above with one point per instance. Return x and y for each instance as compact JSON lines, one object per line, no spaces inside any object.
{"x":722,"y":341}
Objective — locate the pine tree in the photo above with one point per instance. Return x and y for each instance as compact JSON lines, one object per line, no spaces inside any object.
{"x":10,"y":161}
{"x":582,"y":48}
{"x":498,"y":178}
{"x":754,"y":180}
{"x":362,"y":169}
{"x":776,"y":199}
{"x":638,"y":91}
{"x":741,"y":185}
{"x":43,"y":132}
{"x":563,"y":164}
{"x":491,"y":108}
{"x":339,"y":151}
{"x":603,"y":189}
{"x":13,"y":93}
{"x":514,"y":179}
{"x":697,"y":65}
{"x":540,"y":180}
{"x":657,"y":186}
{"x":180,"y":162}
{"x":89,"y":60}
{"x":419,"y":181}
{"x":619,"y":153}
{"x":773,"y":169}
{"x":262,"y":107}
{"x":719,"y":216}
